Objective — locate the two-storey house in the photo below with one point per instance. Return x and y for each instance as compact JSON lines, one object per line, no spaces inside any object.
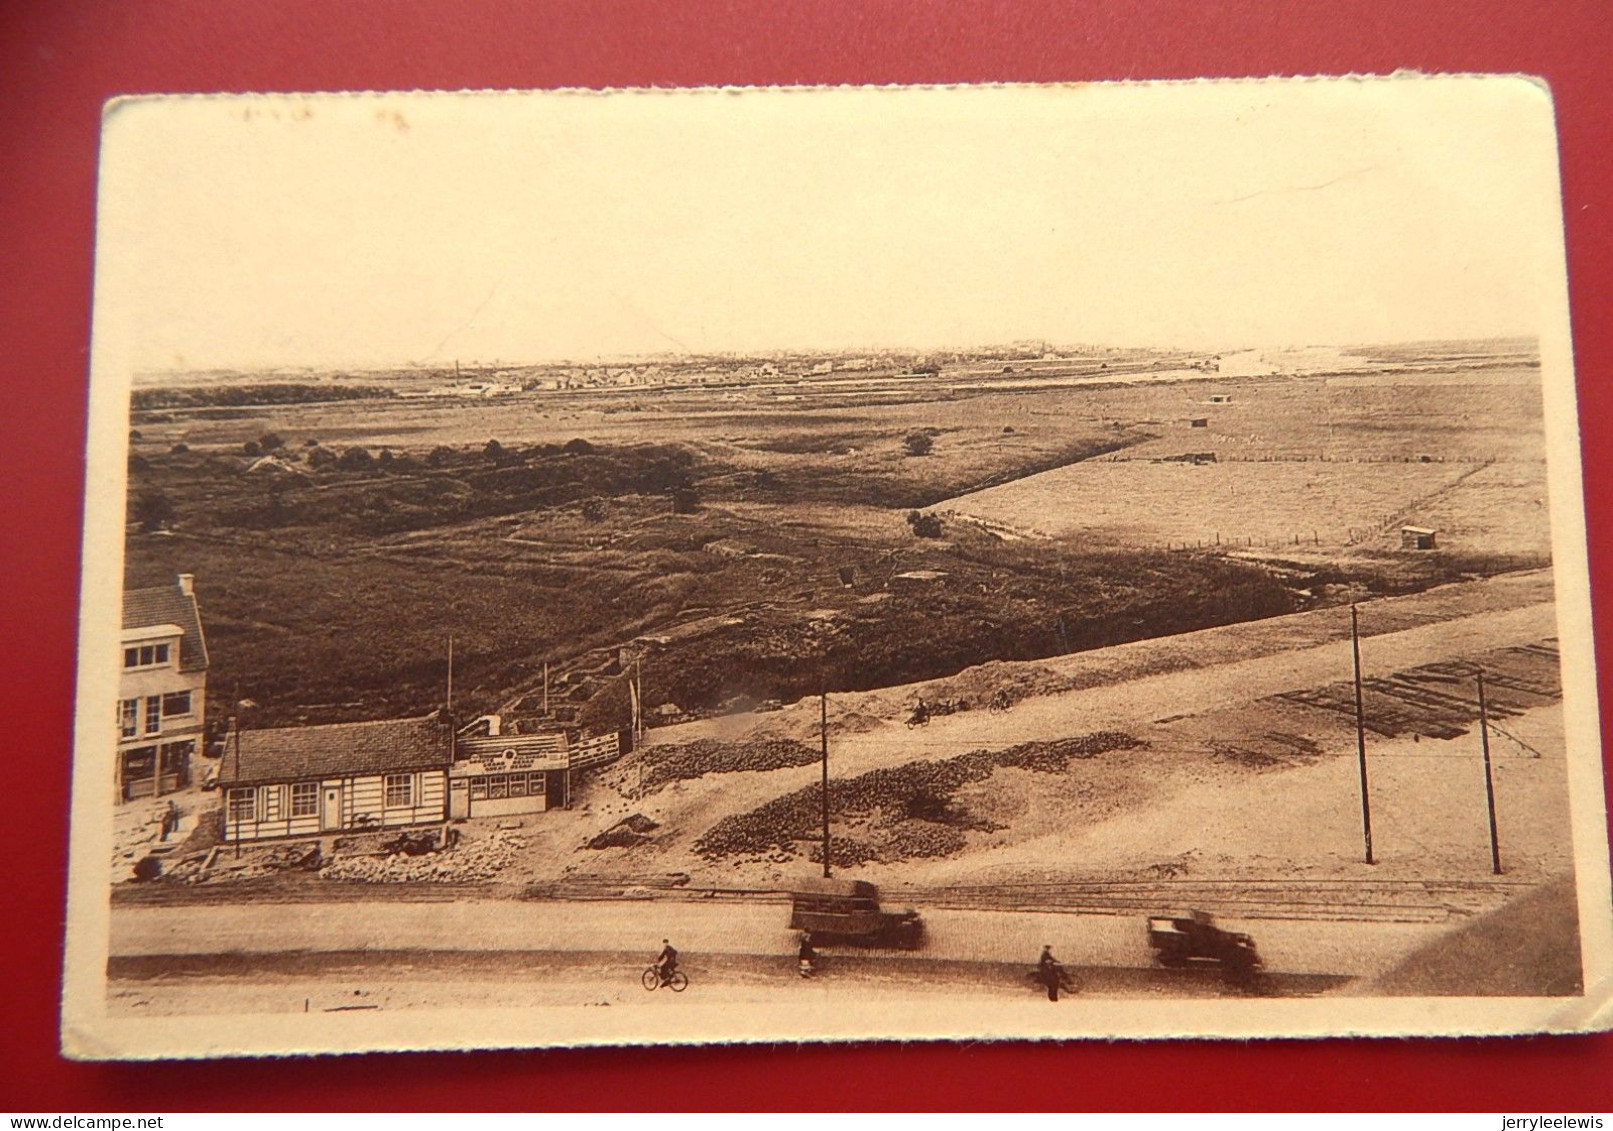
{"x":162,"y":692}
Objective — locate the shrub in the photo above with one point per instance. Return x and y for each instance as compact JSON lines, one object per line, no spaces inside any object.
{"x":494,"y":450}
{"x":252,"y":448}
{"x":577,"y":447}
{"x":153,"y":511}
{"x":685,"y":500}
{"x":138,"y":462}
{"x":355,"y":459}
{"x":147,"y":868}
{"x":134,"y":434}
{"x":918,"y":443}
{"x":269,"y":442}
{"x":924,"y":525}
{"x":385,"y":458}
{"x":179,"y":449}
{"x":321,"y":458}
{"x":439,"y":456}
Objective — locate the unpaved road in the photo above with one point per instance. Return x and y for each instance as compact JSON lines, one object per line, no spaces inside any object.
{"x":254,"y":958}
{"x":700,"y":928}
{"x":340,"y":984}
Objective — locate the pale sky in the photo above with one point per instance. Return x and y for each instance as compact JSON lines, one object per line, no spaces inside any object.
{"x":389,"y":229}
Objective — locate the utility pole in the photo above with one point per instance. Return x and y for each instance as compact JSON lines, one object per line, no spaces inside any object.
{"x":450,"y":703}
{"x":823,"y":731}
{"x":546,"y":689}
{"x":1361,"y":736}
{"x":1489,"y":782}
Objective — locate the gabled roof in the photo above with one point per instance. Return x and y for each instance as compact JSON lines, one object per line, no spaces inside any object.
{"x":168,"y":604}
{"x":336,"y":750}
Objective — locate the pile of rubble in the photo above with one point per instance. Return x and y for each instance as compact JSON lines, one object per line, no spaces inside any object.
{"x":1055,"y":757}
{"x":666,"y":764}
{"x":919,"y":816}
{"x":136,"y":828}
{"x":230,"y":867}
{"x":625,"y":833}
{"x":468,"y":861}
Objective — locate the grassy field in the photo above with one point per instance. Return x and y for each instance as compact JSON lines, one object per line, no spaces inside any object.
{"x":762,"y":536}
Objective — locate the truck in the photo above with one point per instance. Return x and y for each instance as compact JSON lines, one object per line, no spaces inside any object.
{"x":848,"y":911}
{"x":1192,"y":938}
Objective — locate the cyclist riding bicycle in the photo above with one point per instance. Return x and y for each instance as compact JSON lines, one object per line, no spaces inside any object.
{"x":1050,"y":972}
{"x":667,"y":963}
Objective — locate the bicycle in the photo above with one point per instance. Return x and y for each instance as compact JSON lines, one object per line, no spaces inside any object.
{"x":653,"y":979}
{"x":1068,"y":981}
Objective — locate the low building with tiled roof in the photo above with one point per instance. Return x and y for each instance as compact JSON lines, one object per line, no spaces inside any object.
{"x":341,"y":777}
{"x":162,"y":690}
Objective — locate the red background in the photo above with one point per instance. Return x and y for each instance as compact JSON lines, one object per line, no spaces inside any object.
{"x":60,"y":60}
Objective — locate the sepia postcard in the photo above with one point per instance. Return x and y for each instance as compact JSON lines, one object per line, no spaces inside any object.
{"x":719,"y":565}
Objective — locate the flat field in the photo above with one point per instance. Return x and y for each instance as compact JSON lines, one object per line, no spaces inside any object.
{"x":757,"y":539}
{"x":1337,"y":462}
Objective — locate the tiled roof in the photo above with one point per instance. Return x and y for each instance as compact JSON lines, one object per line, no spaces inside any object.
{"x":167,"y":604}
{"x":335,"y":750}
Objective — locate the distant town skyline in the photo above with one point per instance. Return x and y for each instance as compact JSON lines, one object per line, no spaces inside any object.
{"x":387,"y":231}
{"x":475,"y":365}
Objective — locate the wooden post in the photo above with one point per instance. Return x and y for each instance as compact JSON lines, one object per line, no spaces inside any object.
{"x":1361,"y":736}
{"x":235,"y":725}
{"x":1489,"y":782}
{"x":546,"y":689}
{"x":823,"y":731}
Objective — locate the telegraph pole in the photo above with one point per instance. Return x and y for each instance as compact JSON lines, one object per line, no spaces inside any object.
{"x":823,"y":731}
{"x":1361,"y":736}
{"x":1489,"y":783}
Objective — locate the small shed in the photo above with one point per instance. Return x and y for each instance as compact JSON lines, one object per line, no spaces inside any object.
{"x":1417,"y":538}
{"x":503,"y":775}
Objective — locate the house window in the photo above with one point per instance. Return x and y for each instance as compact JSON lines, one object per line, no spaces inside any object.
{"x":272,"y":795}
{"x":243,"y":806}
{"x":176,"y":703}
{"x":145,"y":656}
{"x":153,"y":714}
{"x":517,"y":785}
{"x":305,"y":799}
{"x":399,"y":791}
{"x":537,"y":784}
{"x":129,"y":718}
{"x":498,"y":786}
{"x":478,"y":789}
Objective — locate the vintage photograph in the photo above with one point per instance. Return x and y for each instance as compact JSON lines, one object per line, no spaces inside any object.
{"x":693,"y":566}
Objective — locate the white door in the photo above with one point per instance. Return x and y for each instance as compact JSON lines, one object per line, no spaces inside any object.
{"x":330,"y":814}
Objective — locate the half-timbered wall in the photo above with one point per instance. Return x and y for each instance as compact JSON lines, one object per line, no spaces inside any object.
{"x":260,"y":812}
